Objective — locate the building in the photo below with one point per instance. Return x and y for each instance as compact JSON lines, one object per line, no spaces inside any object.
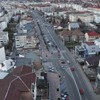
{"x":91,"y":36}
{"x":90,"y":67}
{"x":90,"y":48}
{"x":79,"y":50}
{"x":7,"y":65}
{"x":19,"y":84}
{"x":73,"y":25}
{"x":74,"y":35}
{"x":92,"y":62}
{"x":4,"y":39}
{"x":25,"y":38}
{"x":42,"y":87}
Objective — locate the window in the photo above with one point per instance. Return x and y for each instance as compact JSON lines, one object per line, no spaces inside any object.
{"x":93,"y":51}
{"x":2,"y":64}
{"x":93,"y":47}
{"x":32,"y":87}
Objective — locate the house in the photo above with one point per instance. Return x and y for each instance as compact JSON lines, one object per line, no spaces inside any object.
{"x":19,"y":84}
{"x":90,"y":67}
{"x":73,"y":25}
{"x":79,"y":50}
{"x":25,"y":41}
{"x":92,"y":62}
{"x":4,"y":39}
{"x":25,"y":37}
{"x":74,"y":35}
{"x":91,"y":36}
{"x":90,"y":48}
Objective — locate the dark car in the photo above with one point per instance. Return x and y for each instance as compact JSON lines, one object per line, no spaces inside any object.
{"x":81,"y":91}
{"x":72,"y":69}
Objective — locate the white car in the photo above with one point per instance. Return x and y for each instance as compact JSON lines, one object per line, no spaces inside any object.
{"x":68,"y":61}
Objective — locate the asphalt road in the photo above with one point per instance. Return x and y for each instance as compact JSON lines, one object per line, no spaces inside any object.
{"x":74,"y":80}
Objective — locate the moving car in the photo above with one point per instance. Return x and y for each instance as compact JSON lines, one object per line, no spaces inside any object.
{"x":72,"y":69}
{"x":81,"y":91}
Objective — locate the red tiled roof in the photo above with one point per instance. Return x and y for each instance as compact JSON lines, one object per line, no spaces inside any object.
{"x":93,"y":34}
{"x":89,"y":43}
{"x":18,"y":81}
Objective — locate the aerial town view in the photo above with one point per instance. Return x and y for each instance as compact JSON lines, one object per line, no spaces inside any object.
{"x":50,"y":50}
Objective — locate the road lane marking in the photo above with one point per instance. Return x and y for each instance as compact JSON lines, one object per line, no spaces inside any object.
{"x":76,"y":85}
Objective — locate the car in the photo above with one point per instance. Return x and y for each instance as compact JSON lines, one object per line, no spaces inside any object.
{"x":64,"y":96}
{"x":63,"y":62}
{"x":66,"y":93}
{"x":72,"y":69}
{"x":81,"y":91}
{"x":68,"y":61}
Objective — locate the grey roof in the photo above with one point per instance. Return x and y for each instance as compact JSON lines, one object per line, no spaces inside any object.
{"x":93,"y":61}
{"x":23,"y":61}
{"x":74,"y":24}
{"x":31,"y":55}
{"x":28,"y":27}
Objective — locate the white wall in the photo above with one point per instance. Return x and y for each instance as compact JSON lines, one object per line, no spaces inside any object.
{"x":97,"y":18}
{"x":2,"y":54}
{"x":3,"y":25}
{"x":4,"y":38}
{"x":93,"y":49}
